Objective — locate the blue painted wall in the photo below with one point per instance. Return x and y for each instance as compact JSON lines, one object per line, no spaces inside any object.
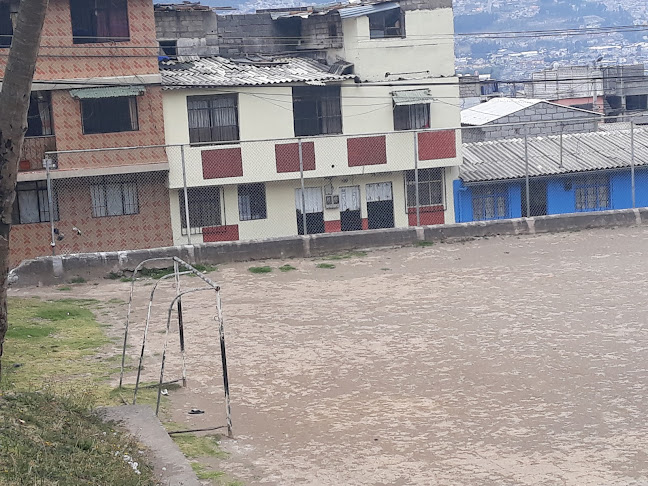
{"x":561,"y":197}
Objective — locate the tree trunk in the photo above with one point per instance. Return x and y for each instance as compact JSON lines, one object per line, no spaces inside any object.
{"x":14,"y":103}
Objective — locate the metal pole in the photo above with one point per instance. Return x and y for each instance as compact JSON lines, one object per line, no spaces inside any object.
{"x":50,"y":201}
{"x":562,"y":128}
{"x":176,"y":270}
{"x":303,"y":192}
{"x":526,"y":170}
{"x":186,"y":196}
{"x":416,"y":179}
{"x":632,"y":163}
{"x":221,"y":333}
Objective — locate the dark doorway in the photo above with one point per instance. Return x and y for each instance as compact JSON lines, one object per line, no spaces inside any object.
{"x":380,"y":214}
{"x":314,"y":223}
{"x":350,"y":216}
{"x":537,"y":198}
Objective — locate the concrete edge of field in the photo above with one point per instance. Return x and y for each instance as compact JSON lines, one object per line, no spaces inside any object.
{"x":170,"y":466}
{"x":53,"y":270}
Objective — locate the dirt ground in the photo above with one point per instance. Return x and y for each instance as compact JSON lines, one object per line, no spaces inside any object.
{"x":503,"y":361}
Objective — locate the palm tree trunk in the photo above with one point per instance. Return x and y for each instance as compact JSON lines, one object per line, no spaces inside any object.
{"x":14,"y":103}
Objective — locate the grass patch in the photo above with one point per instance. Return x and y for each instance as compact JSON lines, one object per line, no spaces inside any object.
{"x":286,"y":268}
{"x":330,"y":266}
{"x":78,"y":280}
{"x":265,"y":269}
{"x":65,"y":288}
{"x":47,"y":439}
{"x":194,"y":446}
{"x":347,"y":255}
{"x":114,"y":276}
{"x":423,"y":244}
{"x":52,"y":342}
{"x":205,"y":474}
{"x":125,"y":279}
{"x":385,"y":269}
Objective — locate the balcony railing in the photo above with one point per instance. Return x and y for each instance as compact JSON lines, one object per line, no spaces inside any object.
{"x":33,"y":152}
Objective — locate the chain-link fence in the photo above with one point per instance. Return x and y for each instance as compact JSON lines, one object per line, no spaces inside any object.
{"x":144,"y":197}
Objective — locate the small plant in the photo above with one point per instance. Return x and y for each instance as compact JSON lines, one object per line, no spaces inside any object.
{"x":286,"y":268}
{"x":330,"y":266}
{"x":204,"y":268}
{"x":385,"y":269}
{"x":78,"y":280}
{"x":423,"y":244}
{"x":203,"y":473}
{"x":64,"y":288}
{"x":265,"y":269}
{"x":114,"y":276}
{"x":125,"y":279}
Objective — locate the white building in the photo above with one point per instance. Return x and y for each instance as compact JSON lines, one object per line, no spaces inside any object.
{"x":352,"y":105}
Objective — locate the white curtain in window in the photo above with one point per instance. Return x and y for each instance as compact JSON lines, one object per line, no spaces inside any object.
{"x":381,"y":191}
{"x":199,"y":114}
{"x":114,"y":202}
{"x":245,"y":209}
{"x":131,"y":205}
{"x":45,"y":117}
{"x":28,"y":204}
{"x":313,"y":199}
{"x":350,"y":198}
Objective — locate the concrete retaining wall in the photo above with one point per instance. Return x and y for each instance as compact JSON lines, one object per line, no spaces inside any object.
{"x":60,"y":269}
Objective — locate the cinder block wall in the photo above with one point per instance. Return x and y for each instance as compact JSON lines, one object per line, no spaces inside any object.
{"x":541,"y":119}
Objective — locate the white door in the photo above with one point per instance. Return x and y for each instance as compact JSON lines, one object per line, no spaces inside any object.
{"x":312,"y":200}
{"x":350,"y":198}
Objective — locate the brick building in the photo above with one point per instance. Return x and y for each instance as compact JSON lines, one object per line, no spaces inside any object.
{"x":96,"y":86}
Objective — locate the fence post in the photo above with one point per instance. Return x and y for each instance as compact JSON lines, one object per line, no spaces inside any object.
{"x":416,"y":180}
{"x":303,"y":192}
{"x":526,"y":177}
{"x":186,"y":195}
{"x":632,"y":163}
{"x":50,"y":200}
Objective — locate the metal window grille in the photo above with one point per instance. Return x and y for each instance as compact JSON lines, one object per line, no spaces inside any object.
{"x":430,"y":187}
{"x":317,"y":110}
{"x":213,"y":118}
{"x":490,"y":202}
{"x":204,"y":208}
{"x":390,"y":23}
{"x":252,"y":202}
{"x":111,"y":198}
{"x":32,"y":203}
{"x":411,"y":117}
{"x":592,"y":193}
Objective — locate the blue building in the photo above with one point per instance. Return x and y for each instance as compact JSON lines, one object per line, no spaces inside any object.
{"x":568,"y":174}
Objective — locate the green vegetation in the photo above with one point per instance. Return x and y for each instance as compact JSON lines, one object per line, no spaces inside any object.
{"x":347,"y":255}
{"x":78,"y":280}
{"x":326,"y":265}
{"x":265,"y":269}
{"x":203,"y":473}
{"x":64,"y":288}
{"x":194,"y":446}
{"x":114,"y":276}
{"x":423,"y":244}
{"x":286,"y":268}
{"x":55,"y":439}
{"x":385,"y":269}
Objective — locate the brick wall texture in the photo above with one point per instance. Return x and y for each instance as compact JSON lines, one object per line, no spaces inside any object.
{"x":59,"y":58}
{"x":150,"y":228}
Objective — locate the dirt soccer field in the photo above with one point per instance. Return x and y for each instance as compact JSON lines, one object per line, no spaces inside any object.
{"x":502,"y":361}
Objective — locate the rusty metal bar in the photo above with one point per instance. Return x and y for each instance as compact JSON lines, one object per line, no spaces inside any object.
{"x":180,"y":325}
{"x":221,"y":334}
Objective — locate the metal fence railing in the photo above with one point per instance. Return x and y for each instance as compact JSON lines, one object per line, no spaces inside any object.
{"x":143,"y":197}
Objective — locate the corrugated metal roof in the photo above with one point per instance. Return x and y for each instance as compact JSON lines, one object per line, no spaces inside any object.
{"x":349,"y":12}
{"x":581,"y":152}
{"x":219,"y":71}
{"x":107,"y":92}
{"x":411,"y":97}
{"x":497,"y":108}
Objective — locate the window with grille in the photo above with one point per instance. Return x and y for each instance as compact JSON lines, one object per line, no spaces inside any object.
{"x":430,"y":184}
{"x":213,"y":118}
{"x":114,"y":197}
{"x":490,"y":202}
{"x":316,"y":110}
{"x":109,"y":115}
{"x":412,"y":117}
{"x":99,"y":21}
{"x":592,"y":192}
{"x":252,"y":201}
{"x":39,"y":116}
{"x":390,"y":23}
{"x":204,"y":208}
{"x":32,"y":203}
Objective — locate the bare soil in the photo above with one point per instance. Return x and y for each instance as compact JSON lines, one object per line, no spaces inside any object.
{"x":507,"y":361}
